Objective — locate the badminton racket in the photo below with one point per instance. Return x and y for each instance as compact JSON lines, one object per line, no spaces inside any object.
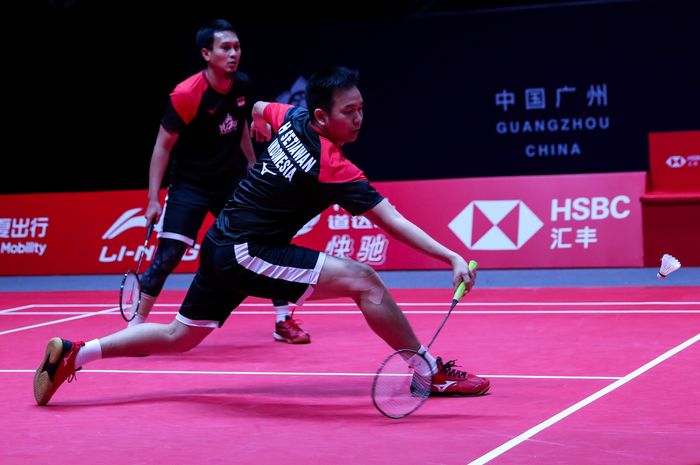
{"x":403,"y":381}
{"x":130,"y":290}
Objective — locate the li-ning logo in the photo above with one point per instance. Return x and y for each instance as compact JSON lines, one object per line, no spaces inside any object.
{"x":129,"y":219}
{"x":676,"y":161}
{"x":495,"y":225}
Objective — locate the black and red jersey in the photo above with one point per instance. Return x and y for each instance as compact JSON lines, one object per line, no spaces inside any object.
{"x":209,"y":125}
{"x":300,"y":174}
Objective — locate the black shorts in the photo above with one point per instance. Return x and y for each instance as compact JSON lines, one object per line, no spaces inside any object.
{"x":230,"y":272}
{"x":186,"y":206}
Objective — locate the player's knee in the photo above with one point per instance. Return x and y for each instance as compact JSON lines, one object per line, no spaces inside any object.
{"x":367,"y":274}
{"x":367,"y":279}
{"x":184,"y":338}
{"x":168,"y":256}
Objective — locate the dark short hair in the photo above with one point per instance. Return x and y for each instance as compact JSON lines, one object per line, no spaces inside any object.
{"x":205,"y":35}
{"x":322,"y":85}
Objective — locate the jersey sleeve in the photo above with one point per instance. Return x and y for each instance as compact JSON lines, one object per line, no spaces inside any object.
{"x":171,"y":119}
{"x":343,"y":183}
{"x":183,"y":103}
{"x":275,"y":113}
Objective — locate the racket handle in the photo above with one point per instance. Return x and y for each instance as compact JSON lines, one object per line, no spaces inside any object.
{"x":462,"y":288}
{"x":151,"y":225}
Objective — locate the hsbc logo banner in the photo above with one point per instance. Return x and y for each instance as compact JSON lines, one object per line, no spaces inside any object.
{"x":591,"y":220}
{"x":674,"y":161}
{"x":495,"y":224}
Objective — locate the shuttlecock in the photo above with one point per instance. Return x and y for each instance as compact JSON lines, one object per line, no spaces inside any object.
{"x":669,"y":264}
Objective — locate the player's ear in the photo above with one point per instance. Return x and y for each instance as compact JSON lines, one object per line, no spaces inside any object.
{"x":320,"y":116}
{"x":205,"y":54}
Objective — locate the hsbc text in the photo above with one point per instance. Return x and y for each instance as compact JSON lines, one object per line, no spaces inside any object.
{"x":594,"y":208}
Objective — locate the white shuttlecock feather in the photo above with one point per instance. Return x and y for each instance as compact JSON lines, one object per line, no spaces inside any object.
{"x":669,"y":264}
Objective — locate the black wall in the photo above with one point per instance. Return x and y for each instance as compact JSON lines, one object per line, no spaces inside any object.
{"x":91,"y":84}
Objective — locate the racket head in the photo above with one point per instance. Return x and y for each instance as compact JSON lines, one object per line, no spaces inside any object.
{"x":402,"y":384}
{"x":129,"y":295}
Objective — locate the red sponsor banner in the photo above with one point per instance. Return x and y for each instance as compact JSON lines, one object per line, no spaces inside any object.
{"x":674,"y":161}
{"x":76,"y":233}
{"x":591,"y":220}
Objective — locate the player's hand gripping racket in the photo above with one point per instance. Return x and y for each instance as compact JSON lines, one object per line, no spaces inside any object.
{"x":404,"y":378}
{"x":130,"y":290}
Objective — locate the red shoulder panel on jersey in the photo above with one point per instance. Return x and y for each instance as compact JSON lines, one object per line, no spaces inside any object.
{"x":335,"y":167}
{"x":187,"y":96}
{"x":274,"y":114}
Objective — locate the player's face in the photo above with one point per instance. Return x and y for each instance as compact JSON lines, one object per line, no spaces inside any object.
{"x":225,"y":53}
{"x":344,"y":122}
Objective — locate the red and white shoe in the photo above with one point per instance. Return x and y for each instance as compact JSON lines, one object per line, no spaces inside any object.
{"x":57,"y":366}
{"x":450,"y":382}
{"x":289,"y":331}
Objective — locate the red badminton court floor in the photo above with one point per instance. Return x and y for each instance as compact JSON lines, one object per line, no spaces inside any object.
{"x":585,"y":376}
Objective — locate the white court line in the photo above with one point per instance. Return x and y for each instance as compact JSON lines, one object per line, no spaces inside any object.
{"x":54,"y":322}
{"x":579,"y":405}
{"x":414,"y":312}
{"x":405,"y":304}
{"x":13,"y":309}
{"x":301,"y":373}
{"x":548,"y":377}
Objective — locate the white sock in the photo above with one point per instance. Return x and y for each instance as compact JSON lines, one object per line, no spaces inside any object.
{"x":138,"y":319}
{"x":91,"y":351}
{"x":429,"y":357}
{"x":281,"y":312}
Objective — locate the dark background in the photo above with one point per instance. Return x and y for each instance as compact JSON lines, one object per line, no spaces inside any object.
{"x":89,"y":81}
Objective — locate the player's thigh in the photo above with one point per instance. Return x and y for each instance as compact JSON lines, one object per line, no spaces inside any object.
{"x":341,"y":277}
{"x":208,"y":302}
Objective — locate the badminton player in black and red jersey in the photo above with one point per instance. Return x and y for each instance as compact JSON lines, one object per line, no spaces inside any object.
{"x":204,"y":133}
{"x":248,"y":250}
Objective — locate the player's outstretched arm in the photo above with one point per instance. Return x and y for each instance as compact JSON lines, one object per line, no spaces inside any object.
{"x":387,"y":217}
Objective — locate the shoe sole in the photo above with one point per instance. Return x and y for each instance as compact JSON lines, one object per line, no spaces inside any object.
{"x":459,"y":394}
{"x":279,"y":338}
{"x":43,"y":386}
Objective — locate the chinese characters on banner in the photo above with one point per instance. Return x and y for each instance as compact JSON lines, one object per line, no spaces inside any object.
{"x":367,"y":244}
{"x":549,"y":121}
{"x":19,"y":235}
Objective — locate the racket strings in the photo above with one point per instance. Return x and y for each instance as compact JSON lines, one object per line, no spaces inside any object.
{"x":420,"y":385}
{"x":129,"y":295}
{"x":402,"y":384}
